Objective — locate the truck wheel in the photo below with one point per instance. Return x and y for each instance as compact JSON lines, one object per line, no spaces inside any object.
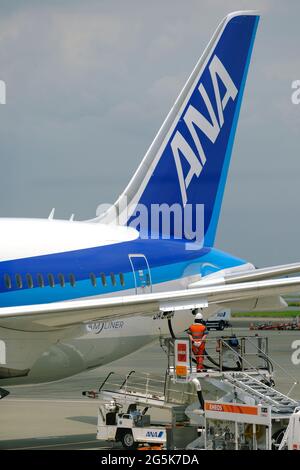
{"x":221,"y":325}
{"x":128,"y":441}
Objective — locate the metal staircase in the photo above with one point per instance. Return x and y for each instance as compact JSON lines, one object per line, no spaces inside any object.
{"x":262,"y":393}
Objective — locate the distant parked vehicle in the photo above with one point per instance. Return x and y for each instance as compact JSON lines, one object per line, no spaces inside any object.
{"x":219,"y":321}
{"x":289,"y":325}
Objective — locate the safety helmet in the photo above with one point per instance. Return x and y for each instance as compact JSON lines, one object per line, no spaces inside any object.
{"x":198,"y":316}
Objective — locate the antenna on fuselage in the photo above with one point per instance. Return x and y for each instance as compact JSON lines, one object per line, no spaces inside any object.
{"x":51,"y":215}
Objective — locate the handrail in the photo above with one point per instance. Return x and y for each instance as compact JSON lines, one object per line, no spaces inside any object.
{"x":285,"y":372}
{"x":140,"y":387}
{"x":244,"y":359}
{"x":146,"y":388}
{"x":127,"y":377}
{"x":105,"y":380}
{"x":224,"y":342}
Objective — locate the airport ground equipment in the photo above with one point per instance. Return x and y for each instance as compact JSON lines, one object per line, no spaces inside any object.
{"x":236,"y":426}
{"x":131,"y":428}
{"x":219,"y":321}
{"x":238,"y":370}
{"x":238,"y":375}
{"x":136,"y":395}
{"x":286,"y":326}
{"x":291,"y":437}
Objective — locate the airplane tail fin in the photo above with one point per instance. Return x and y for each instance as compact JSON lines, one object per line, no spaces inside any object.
{"x":187,"y":163}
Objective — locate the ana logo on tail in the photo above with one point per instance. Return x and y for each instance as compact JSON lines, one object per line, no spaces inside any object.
{"x":193,"y":118}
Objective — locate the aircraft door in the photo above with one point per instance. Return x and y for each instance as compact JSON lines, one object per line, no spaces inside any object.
{"x":141,"y":273}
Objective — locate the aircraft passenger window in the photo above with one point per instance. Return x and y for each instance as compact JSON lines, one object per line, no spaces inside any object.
{"x":93,"y":279}
{"x":122,"y":280}
{"x":7,"y":281}
{"x":29,"y":281}
{"x":51,"y":280}
{"x":113,"y":279}
{"x":61,"y":280}
{"x":40,"y":280}
{"x":72,"y":280}
{"x":103,"y":279}
{"x":19,"y":281}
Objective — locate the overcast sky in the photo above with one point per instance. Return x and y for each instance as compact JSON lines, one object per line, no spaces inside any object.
{"x":90,"y":82}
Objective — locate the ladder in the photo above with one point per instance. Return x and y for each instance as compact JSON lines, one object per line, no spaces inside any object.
{"x":262,"y":393}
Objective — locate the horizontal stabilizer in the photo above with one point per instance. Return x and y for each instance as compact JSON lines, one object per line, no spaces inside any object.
{"x":248,"y":276}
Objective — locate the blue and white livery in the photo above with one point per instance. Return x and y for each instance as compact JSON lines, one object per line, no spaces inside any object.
{"x":77,"y":295}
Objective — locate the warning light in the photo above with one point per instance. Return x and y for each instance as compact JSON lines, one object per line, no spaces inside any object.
{"x":182,"y":361}
{"x":181,"y":352}
{"x":181,"y":371}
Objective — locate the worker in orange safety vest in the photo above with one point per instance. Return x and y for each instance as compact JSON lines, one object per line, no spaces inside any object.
{"x":198,"y":333}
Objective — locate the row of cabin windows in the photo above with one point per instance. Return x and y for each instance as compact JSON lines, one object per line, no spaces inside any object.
{"x":40,"y":280}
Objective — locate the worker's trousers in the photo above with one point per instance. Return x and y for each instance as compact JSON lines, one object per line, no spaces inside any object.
{"x":198,"y":352}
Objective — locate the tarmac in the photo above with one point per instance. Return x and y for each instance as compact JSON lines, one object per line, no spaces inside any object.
{"x":56,"y":416}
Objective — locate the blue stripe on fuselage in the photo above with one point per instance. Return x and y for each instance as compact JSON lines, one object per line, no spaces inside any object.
{"x":168,"y":260}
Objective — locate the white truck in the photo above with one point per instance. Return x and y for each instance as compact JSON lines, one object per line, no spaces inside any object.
{"x":131,"y":428}
{"x":219,"y":320}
